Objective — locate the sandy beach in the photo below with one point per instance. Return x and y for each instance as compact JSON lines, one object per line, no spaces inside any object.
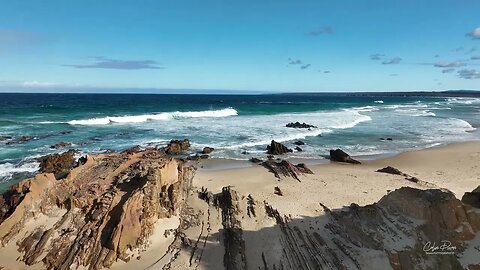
{"x":454,"y":167}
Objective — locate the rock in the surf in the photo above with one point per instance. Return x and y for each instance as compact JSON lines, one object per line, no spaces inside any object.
{"x":299,"y":125}
{"x":207,"y":150}
{"x":176,"y":147}
{"x":276,"y":148}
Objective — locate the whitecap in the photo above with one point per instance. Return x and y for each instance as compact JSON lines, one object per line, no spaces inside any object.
{"x":155,"y":117}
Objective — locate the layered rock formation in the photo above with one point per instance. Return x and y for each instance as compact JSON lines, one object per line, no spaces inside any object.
{"x":276,"y":148}
{"x":98,"y":214}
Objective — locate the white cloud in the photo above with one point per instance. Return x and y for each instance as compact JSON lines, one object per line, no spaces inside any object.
{"x":475,"y":34}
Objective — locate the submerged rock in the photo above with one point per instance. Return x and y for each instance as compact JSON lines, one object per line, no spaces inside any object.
{"x":340,"y":156}
{"x":276,"y":148}
{"x":299,"y":143}
{"x":60,"y":145}
{"x":207,"y":150}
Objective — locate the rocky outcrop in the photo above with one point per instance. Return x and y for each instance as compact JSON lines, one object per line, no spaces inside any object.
{"x":407,"y":229}
{"x":299,"y":125}
{"x":276,"y":148}
{"x":176,"y":147}
{"x":340,"y":156}
{"x":58,"y":164}
{"x":472,"y":198}
{"x":207,"y":150}
{"x":100,"y":213}
{"x":286,"y":168}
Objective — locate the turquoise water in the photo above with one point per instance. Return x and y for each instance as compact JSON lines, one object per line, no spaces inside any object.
{"x":232,"y":124}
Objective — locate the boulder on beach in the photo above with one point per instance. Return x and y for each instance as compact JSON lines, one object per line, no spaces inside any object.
{"x":299,"y":125}
{"x":207,"y":150}
{"x":299,"y":143}
{"x":286,"y":168}
{"x":340,"y":156}
{"x":298,"y":149}
{"x":176,"y":147}
{"x":276,"y":148}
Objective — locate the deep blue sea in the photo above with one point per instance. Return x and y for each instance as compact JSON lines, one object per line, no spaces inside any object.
{"x":232,"y":124}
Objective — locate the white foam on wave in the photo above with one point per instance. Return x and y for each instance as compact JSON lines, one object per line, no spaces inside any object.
{"x":378,"y":101}
{"x":463,"y":100}
{"x":415,"y":112}
{"x":326,"y":122}
{"x":155,"y":117}
{"x":8,"y":169}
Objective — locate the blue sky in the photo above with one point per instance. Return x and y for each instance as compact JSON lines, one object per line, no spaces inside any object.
{"x":369,"y":45}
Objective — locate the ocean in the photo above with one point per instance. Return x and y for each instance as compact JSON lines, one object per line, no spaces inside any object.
{"x":232,"y":124}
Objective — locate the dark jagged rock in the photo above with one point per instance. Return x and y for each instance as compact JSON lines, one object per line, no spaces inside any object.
{"x":207,"y":150}
{"x":287,"y":169}
{"x":60,"y":145}
{"x":299,"y":125}
{"x":340,"y":156}
{"x":472,"y":198}
{"x":276,"y":148}
{"x":251,"y":206}
{"x":390,"y":170}
{"x":299,"y":143}
{"x":245,"y":153}
{"x":105,"y":211}
{"x":298,"y":149}
{"x":206,"y":195}
{"x":58,"y":164}
{"x":234,"y":257}
{"x":277,"y":191}
{"x":395,"y":171}
{"x":176,"y":147}
{"x":255,"y":160}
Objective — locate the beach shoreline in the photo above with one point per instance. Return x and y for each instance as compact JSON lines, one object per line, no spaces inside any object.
{"x":303,"y":202}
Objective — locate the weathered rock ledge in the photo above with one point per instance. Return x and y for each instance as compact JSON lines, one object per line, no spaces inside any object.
{"x":98,"y":213}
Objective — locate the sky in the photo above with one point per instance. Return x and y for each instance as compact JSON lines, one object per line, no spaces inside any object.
{"x":266,"y":45}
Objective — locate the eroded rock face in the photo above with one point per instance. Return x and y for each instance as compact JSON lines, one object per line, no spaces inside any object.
{"x":99,"y":213}
{"x":276,"y":148}
{"x":340,"y":156}
{"x":176,"y":147}
{"x":58,"y":164}
{"x":286,"y":168}
{"x":394,"y":233}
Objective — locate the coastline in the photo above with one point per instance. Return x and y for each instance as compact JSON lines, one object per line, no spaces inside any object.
{"x":305,"y":203}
